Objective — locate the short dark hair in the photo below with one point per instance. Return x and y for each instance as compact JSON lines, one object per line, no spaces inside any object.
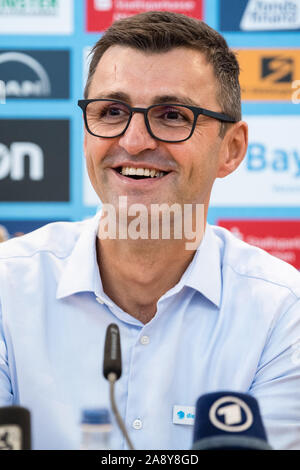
{"x":161,"y":31}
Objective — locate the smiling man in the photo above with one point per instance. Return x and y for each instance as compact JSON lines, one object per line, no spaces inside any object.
{"x":171,"y":146}
{"x":162,"y":117}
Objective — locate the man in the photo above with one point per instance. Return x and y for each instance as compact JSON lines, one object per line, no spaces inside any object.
{"x":162,"y":122}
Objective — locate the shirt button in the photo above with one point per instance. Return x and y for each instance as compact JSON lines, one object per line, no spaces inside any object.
{"x":145,"y":340}
{"x":99,"y":300}
{"x":137,"y":424}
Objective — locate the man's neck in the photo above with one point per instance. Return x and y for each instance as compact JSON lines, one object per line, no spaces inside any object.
{"x":135,"y":274}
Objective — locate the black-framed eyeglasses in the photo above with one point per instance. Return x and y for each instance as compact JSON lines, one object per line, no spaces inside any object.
{"x":165,"y":122}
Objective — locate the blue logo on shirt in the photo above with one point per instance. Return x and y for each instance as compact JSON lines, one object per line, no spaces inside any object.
{"x":180,"y":414}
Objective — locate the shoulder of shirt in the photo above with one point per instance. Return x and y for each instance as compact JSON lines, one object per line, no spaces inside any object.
{"x":249,"y":261}
{"x":56,"y":238}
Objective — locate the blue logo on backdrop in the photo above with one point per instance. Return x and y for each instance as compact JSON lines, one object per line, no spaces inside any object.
{"x":260,"y":158}
{"x":259,"y":15}
{"x":32,"y":74}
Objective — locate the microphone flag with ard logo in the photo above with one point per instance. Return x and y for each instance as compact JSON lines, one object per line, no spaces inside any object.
{"x":15,"y":428}
{"x":229,"y":420}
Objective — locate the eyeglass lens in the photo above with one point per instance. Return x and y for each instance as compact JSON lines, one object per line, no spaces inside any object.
{"x":167,"y":122}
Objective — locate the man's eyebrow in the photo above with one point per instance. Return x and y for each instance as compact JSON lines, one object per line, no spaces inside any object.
{"x":178,"y":99}
{"x":159,"y":99}
{"x":114,"y":95}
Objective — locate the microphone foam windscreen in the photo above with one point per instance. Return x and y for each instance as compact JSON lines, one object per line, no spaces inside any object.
{"x":112,"y":352}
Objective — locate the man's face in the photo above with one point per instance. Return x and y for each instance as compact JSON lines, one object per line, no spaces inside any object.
{"x":142,"y":79}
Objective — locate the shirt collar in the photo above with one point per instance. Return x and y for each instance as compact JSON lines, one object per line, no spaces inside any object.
{"x":204,"y":272}
{"x":81,"y":273}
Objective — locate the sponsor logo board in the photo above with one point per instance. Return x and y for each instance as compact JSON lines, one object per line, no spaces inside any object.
{"x":268,"y":74}
{"x":34,"y":160}
{"x":101,"y":13}
{"x":280,"y":238}
{"x":270,"y":172}
{"x":32,"y":74}
{"x":259,"y":15}
{"x":36,"y":16}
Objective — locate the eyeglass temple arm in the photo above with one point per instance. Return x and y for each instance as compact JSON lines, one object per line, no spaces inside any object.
{"x":219,"y":116}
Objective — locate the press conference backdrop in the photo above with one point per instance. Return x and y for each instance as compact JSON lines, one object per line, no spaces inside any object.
{"x":44,"y":46}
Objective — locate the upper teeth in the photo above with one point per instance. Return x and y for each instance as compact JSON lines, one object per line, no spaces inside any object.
{"x":129,"y":170}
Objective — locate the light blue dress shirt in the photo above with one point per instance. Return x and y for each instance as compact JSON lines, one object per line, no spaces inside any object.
{"x":231,"y":323}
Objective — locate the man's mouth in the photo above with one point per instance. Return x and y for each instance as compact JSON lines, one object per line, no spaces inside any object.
{"x":140,"y":173}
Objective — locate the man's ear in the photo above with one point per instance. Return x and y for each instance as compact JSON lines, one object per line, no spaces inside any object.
{"x":233,"y":148}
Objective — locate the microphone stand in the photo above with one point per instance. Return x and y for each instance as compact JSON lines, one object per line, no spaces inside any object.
{"x":112,"y":378}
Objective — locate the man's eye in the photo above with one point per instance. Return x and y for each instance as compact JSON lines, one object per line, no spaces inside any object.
{"x":115,"y":111}
{"x":173,"y":115}
{"x":169,"y":115}
{"x":111,"y":112}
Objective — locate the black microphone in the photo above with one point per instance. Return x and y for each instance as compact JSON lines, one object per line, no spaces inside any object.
{"x":112,"y":370}
{"x":228,"y":421}
{"x":112,"y":363}
{"x":15,"y":430}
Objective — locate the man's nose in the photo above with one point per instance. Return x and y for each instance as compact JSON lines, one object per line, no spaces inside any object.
{"x":137,"y":138}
